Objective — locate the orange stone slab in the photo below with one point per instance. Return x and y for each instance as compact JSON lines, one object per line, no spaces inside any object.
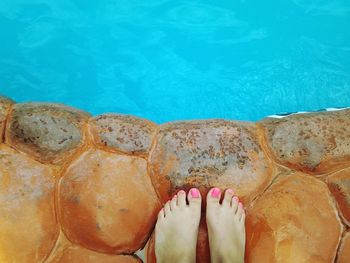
{"x":107,"y":198}
{"x":339,"y":184}
{"x":313,"y":142}
{"x":295,"y":220}
{"x":5,"y":104}
{"x":344,"y":250}
{"x":107,"y":202}
{"x":75,"y":254}
{"x":209,"y":153}
{"x":124,"y":133}
{"x":28,"y":226}
{"x":48,"y":132}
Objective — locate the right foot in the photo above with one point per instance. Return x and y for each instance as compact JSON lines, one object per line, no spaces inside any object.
{"x":177,"y":228}
{"x":226,"y":227}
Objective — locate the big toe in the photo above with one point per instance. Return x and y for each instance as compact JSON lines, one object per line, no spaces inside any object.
{"x":194,"y":198}
{"x":213,"y":197}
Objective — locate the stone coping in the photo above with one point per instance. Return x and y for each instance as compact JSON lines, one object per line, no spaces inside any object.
{"x":82,"y":188}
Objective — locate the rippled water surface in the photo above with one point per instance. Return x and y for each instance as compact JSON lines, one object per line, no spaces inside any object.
{"x":169,"y":59}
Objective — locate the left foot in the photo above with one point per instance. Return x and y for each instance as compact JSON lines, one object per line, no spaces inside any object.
{"x":177,"y":228}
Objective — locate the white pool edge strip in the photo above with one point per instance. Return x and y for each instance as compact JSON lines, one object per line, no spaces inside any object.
{"x":283,"y":115}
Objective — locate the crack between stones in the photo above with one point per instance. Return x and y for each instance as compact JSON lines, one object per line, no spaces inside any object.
{"x":340,"y":245}
{"x":148,"y":160}
{"x":3,"y":135}
{"x":255,"y":199}
{"x":59,"y":173}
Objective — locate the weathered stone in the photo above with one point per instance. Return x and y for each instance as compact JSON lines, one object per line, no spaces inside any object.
{"x":314,"y":142}
{"x":28,"y":227}
{"x":78,"y":254}
{"x":124,"y":133}
{"x":344,"y":250}
{"x":339,"y":184}
{"x":48,"y":132}
{"x":209,"y":153}
{"x":295,"y":220}
{"x":107,"y":202}
{"x":5,"y":105}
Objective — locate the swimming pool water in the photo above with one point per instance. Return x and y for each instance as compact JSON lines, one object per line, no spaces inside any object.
{"x":169,"y":59}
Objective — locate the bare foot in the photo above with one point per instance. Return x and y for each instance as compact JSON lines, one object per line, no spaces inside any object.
{"x":226,"y":228}
{"x":177,"y":228}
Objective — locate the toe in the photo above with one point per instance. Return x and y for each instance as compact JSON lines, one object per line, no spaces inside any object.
{"x":234,"y":203}
{"x":173,"y":203}
{"x":243,"y":217}
{"x":194,"y":198}
{"x":213,"y":196}
{"x":161,"y":215}
{"x":167,"y":208}
{"x":239,"y":211}
{"x":181,"y":198}
{"x":227,"y":198}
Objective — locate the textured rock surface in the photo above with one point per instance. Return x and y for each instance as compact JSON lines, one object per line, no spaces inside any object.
{"x":28,"y":226}
{"x":123,"y":133}
{"x":339,"y":184}
{"x":48,"y":132}
{"x":287,"y":224}
{"x":107,"y":202}
{"x":312,"y":142}
{"x":207,"y":153}
{"x":79,"y":189}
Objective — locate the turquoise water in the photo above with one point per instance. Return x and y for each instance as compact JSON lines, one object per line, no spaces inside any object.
{"x":169,"y":60}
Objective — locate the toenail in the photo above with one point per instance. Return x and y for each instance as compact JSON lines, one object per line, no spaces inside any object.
{"x":240,"y":205}
{"x":182,"y":192}
{"x":215,"y":192}
{"x":230,"y":191}
{"x":194,"y":193}
{"x":236,"y":199}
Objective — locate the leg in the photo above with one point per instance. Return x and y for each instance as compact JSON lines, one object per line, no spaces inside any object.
{"x":226,"y":228}
{"x":177,"y":228}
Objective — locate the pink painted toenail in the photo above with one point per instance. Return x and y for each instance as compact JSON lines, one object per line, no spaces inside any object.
{"x":194,"y":193}
{"x":240,"y":205}
{"x":215,"y":192}
{"x":230,"y":191}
